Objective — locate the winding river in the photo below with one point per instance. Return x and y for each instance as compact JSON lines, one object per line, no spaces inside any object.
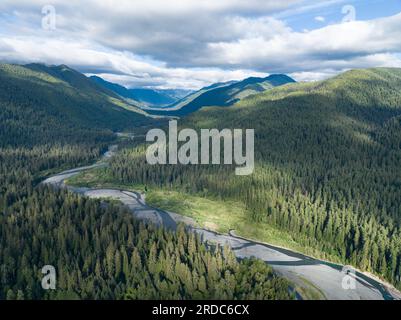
{"x":325,"y":279}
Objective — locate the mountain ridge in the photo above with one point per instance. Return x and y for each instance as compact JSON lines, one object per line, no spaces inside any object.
{"x":223,"y":94}
{"x":327,"y":168}
{"x":38,"y":97}
{"x":143,"y":97}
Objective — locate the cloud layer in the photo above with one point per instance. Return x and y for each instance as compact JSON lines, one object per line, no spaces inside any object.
{"x":189,"y":44}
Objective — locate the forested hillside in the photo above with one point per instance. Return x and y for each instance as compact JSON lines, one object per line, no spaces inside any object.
{"x":52,"y":117}
{"x":143,"y":96}
{"x":39,"y":101}
{"x":104,"y":253}
{"x":328,"y":159}
{"x":223,"y":94}
{"x":51,"y":120}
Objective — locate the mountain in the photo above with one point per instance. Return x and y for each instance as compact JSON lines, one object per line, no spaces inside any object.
{"x":176,"y":94}
{"x":36,"y":99}
{"x":151,"y":97}
{"x":327,"y":169}
{"x":142,"y":96}
{"x":176,"y":107}
{"x":159,"y":97}
{"x":222,"y":94}
{"x":219,"y":84}
{"x":68,"y":75}
{"x":117,"y":89}
{"x":53,"y":118}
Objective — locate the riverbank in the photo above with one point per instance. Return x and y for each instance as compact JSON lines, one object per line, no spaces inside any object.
{"x":315,"y":278}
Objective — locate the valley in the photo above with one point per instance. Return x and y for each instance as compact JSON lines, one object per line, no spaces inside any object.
{"x":324,"y":186}
{"x":189,"y":157}
{"x":100,"y":252}
{"x":326,"y":168}
{"x":313,"y":279}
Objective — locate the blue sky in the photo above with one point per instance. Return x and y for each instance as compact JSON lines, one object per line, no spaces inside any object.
{"x":192,"y":43}
{"x":332,"y":12}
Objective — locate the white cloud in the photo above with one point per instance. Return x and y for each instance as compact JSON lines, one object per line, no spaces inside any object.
{"x":175,"y":7}
{"x":122,"y":67}
{"x":308,"y":51}
{"x":189,"y":44}
{"x":320,"y":19}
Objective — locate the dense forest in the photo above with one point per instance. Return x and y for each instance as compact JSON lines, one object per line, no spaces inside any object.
{"x":328,"y":159}
{"x":99,"y":250}
{"x":102,"y":252}
{"x":59,"y":101}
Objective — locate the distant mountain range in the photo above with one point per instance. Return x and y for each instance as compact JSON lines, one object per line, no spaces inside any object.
{"x":143,"y":97}
{"x":39,"y":100}
{"x":221,"y":94}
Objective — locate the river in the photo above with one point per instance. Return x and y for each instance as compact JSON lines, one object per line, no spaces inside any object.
{"x":323,"y":278}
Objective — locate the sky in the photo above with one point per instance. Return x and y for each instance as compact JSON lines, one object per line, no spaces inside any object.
{"x":189,"y":44}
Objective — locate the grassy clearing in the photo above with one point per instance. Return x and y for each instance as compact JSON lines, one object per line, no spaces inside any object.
{"x":100,"y":178}
{"x":214,"y":215}
{"x":217,"y":215}
{"x":223,"y":216}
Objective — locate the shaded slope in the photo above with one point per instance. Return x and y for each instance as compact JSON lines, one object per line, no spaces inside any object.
{"x":327,"y":170}
{"x":224,"y":94}
{"x":142,"y":96}
{"x":57,"y":100}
